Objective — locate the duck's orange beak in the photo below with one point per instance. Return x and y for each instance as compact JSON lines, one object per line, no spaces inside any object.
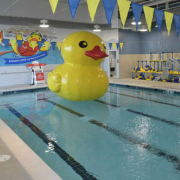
{"x":34,"y":39}
{"x":96,"y":53}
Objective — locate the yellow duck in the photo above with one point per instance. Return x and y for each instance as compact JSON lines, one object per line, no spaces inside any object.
{"x":80,"y":78}
{"x":28,"y":48}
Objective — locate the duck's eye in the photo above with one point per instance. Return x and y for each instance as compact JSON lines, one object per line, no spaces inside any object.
{"x":83,"y":44}
{"x":31,"y":36}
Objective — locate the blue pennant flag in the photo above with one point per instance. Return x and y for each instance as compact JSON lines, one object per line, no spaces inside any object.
{"x":110,"y":45}
{"x":109,"y":6}
{"x":6,"y":42}
{"x":117,"y":45}
{"x":159,"y":18}
{"x":137,"y":10}
{"x":19,"y":42}
{"x":177,"y":23}
{"x":53,"y":45}
{"x":39,"y":44}
{"x":73,"y":5}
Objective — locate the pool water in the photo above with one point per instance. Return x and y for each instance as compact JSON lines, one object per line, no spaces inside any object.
{"x":127,"y":134}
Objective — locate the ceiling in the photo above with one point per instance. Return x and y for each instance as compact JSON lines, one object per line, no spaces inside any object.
{"x":16,"y":11}
{"x":41,"y":9}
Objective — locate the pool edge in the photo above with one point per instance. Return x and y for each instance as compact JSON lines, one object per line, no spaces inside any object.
{"x":168,"y":90}
{"x":31,"y":162}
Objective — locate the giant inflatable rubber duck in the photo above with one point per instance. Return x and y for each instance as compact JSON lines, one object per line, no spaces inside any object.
{"x":80,"y":78}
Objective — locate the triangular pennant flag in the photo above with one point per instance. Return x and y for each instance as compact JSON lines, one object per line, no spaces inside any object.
{"x":159,"y":18}
{"x":121,"y":45}
{"x":53,"y":4}
{"x":168,"y":19}
{"x":137,"y":10}
{"x":105,"y":44}
{"x":148,"y":11}
{"x":73,"y":5}
{"x":117,"y":45}
{"x":19,"y":42}
{"x":47,"y":44}
{"x":53,"y":45}
{"x":6,"y":42}
{"x":33,"y":44}
{"x":177,"y":23}
{"x":109,"y":6}
{"x":0,"y":40}
{"x":59,"y":45}
{"x":39,"y":44}
{"x":114,"y":46}
{"x":92,"y":7}
{"x":13,"y":43}
{"x":123,"y":9}
{"x":110,"y":46}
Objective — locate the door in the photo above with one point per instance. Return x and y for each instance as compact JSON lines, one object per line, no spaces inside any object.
{"x":112,"y":64}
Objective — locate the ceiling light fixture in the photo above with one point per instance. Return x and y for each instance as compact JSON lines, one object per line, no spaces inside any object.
{"x":134,"y":23}
{"x":96,"y":28}
{"x":143,"y":29}
{"x":44,"y":25}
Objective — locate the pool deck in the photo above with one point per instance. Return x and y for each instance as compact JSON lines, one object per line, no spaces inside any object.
{"x":153,"y":85}
{"x":24,"y":164}
{"x":21,"y":87}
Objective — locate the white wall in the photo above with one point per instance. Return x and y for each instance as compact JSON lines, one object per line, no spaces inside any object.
{"x":110,"y":36}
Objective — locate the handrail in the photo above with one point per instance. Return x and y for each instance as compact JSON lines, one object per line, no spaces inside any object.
{"x":175,"y":62}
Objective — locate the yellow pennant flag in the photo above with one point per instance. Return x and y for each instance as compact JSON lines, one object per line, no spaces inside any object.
{"x":53,"y":4}
{"x":13,"y":43}
{"x":34,"y":44}
{"x":92,"y":7}
{"x":121,"y":45}
{"x":123,"y":9}
{"x":114,"y":46}
{"x":47,"y":44}
{"x":59,"y":45}
{"x":105,"y":44}
{"x":168,"y":19}
{"x":0,"y":40}
{"x":149,"y":12}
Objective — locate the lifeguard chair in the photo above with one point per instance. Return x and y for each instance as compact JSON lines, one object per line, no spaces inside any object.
{"x":37,"y":73}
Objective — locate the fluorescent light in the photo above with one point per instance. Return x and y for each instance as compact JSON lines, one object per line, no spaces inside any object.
{"x":156,"y":26}
{"x":44,"y":25}
{"x":134,"y":23}
{"x":96,"y":30}
{"x":143,"y":30}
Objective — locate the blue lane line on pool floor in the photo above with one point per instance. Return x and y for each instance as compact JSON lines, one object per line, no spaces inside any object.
{"x":158,"y":152}
{"x":155,"y":118}
{"x":103,"y":102}
{"x":76,"y":166}
{"x":64,"y":108}
{"x":175,"y":105}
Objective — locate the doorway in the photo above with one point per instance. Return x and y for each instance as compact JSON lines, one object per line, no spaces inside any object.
{"x":112,"y":64}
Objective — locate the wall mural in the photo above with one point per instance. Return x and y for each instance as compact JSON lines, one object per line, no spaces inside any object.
{"x":21,"y":48}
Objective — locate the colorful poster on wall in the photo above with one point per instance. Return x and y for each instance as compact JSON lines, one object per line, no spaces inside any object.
{"x":19,"y":49}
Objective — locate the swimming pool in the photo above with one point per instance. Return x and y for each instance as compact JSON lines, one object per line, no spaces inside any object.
{"x":127,"y":134}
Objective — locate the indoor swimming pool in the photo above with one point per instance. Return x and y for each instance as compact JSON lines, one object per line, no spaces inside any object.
{"x":128,"y":134}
